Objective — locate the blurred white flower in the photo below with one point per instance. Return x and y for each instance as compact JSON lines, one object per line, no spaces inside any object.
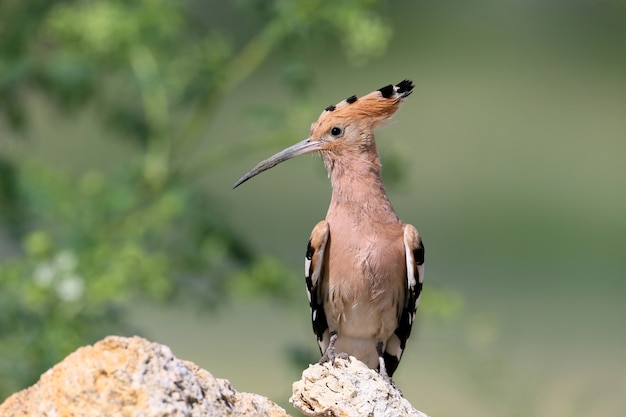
{"x":44,"y":274}
{"x":70,"y":288}
{"x":60,"y":269}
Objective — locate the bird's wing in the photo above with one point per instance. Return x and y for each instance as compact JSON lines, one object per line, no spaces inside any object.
{"x":414,"y":253}
{"x":314,"y":274}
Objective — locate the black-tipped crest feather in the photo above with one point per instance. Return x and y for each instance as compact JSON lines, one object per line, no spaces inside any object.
{"x":386,"y":91}
{"x":405,"y":87}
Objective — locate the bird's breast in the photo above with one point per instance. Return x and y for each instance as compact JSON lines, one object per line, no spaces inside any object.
{"x":365,"y":280}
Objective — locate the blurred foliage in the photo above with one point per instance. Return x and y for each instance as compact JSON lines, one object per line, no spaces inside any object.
{"x":94,"y":243}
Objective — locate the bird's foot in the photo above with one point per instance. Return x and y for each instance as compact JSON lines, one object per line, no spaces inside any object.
{"x":382,"y":368}
{"x":330,"y":355}
{"x":388,"y":379}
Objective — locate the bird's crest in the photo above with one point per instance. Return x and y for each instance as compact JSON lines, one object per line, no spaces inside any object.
{"x":371,"y":109}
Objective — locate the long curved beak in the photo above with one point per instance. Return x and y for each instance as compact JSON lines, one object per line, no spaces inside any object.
{"x":300,"y":148}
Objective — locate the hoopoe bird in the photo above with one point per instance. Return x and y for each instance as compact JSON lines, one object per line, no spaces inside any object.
{"x":364,"y":267}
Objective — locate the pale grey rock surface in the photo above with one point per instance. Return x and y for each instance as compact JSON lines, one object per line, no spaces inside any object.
{"x":348,"y":389}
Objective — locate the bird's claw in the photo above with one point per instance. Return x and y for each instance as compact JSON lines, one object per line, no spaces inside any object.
{"x":388,"y":379}
{"x":330,"y":355}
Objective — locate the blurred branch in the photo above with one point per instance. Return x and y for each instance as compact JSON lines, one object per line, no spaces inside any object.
{"x":237,"y":71}
{"x":153,"y":92}
{"x":155,"y":105}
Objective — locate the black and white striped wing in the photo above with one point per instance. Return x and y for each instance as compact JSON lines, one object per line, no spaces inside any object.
{"x":314,"y":274}
{"x":414,"y":254}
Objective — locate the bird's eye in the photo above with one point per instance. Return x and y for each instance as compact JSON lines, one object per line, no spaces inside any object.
{"x":336,"y":131}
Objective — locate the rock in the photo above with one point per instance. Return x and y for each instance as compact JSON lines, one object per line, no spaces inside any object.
{"x":348,"y":389}
{"x":132,"y":377}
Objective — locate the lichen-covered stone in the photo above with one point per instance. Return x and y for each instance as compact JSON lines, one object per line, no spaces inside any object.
{"x":132,"y":377}
{"x":348,"y":388}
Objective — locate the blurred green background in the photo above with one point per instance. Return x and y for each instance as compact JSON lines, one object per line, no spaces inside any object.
{"x":124,"y":123}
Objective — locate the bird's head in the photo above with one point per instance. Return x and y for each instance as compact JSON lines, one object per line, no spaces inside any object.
{"x":343,"y":129}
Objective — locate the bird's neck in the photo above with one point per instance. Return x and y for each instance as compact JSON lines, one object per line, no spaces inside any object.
{"x":358,"y":189}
